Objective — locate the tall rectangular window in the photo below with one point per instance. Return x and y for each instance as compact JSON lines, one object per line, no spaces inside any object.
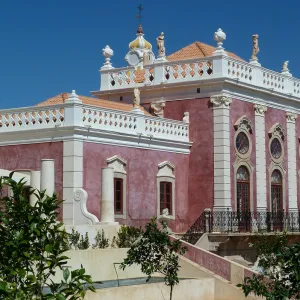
{"x":118,"y":186}
{"x":166,"y":196}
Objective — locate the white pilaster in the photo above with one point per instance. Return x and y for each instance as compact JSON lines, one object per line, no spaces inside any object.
{"x":221,"y":121}
{"x":260,"y":142}
{"x":35,"y":183}
{"x":72,"y":177}
{"x":47,"y":176}
{"x":291,"y":154}
{"x":107,"y":201}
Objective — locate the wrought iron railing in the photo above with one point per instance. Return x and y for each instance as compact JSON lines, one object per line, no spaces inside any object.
{"x":242,"y":222}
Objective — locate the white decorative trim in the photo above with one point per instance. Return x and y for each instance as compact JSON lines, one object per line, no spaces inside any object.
{"x":18,"y":175}
{"x":291,"y":117}
{"x":277,"y":130}
{"x":220,"y":101}
{"x":119,"y":164}
{"x":246,"y":131}
{"x":249,"y":166}
{"x":260,"y":109}
{"x":165,"y":173}
{"x":83,"y":216}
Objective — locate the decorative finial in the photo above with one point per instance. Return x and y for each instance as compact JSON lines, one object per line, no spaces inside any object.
{"x":285,"y":69}
{"x":219,"y":37}
{"x":107,"y":52}
{"x":161,"y":45}
{"x":139,"y":15}
{"x":255,"y":49}
{"x":73,"y":98}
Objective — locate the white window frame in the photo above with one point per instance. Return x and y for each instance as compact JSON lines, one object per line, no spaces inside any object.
{"x":119,"y":166}
{"x":166,"y":174}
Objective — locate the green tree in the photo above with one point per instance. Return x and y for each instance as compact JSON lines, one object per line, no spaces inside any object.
{"x":32,"y":246}
{"x":280,"y":264}
{"x":155,"y":252}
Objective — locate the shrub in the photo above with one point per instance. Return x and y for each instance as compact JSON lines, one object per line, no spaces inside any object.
{"x":100,"y":241}
{"x":32,"y":243}
{"x":126,"y":236}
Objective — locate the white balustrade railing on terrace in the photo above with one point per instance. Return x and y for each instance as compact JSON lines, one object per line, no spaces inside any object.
{"x":197,"y":69}
{"x":62,"y":115}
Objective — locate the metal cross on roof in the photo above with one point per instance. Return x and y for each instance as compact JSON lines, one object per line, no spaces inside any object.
{"x":139,"y":15}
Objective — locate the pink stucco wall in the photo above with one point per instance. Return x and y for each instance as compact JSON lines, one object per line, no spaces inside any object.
{"x":28,"y":157}
{"x":201,"y":169}
{"x":273,"y":116}
{"x":141,"y":168}
{"x":238,"y":109}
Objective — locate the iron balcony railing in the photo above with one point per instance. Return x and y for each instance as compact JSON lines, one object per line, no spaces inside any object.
{"x":242,"y":222}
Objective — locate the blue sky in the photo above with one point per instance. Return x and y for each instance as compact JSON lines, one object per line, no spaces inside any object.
{"x":49,"y":47}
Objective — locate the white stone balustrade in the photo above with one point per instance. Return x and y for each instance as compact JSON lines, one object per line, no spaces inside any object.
{"x":214,"y":67}
{"x":61,"y":117}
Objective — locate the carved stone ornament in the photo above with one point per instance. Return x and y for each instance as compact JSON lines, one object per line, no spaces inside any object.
{"x":107,"y":52}
{"x":219,"y":101}
{"x":243,"y":123}
{"x":285,"y":66}
{"x":158,"y":108}
{"x":117,"y":163}
{"x":255,"y":49}
{"x":291,"y":117}
{"x":136,"y":99}
{"x":186,"y":117}
{"x":219,"y":37}
{"x":260,"y":109}
{"x":277,"y":130}
{"x":166,"y":169}
{"x":161,"y":45}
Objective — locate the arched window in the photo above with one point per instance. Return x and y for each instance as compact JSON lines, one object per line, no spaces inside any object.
{"x":276,"y":191}
{"x":243,"y":189}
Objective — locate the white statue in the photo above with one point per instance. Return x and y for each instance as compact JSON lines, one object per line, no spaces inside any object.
{"x":136,"y":99}
{"x":285,"y":66}
{"x":161,"y":45}
{"x":186,"y":117}
{"x":255,"y":47}
{"x":166,"y":218}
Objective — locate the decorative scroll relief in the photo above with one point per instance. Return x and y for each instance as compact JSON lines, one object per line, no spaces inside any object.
{"x":32,"y":118}
{"x":291,"y":117}
{"x":243,"y":123}
{"x":260,"y":109}
{"x":110,"y":120}
{"x":117,"y":163}
{"x":84,"y":216}
{"x":277,"y":130}
{"x":296,"y":88}
{"x":188,"y":71}
{"x":219,"y":101}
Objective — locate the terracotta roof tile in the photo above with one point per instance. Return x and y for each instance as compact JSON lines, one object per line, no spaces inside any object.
{"x":196,"y":50}
{"x":61,"y":98}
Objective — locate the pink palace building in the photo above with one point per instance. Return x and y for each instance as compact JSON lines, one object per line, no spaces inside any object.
{"x":199,"y":130}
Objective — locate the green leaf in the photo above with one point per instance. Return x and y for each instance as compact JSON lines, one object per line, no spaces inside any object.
{"x":66,"y":274}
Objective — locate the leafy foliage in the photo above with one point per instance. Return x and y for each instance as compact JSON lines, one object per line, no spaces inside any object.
{"x":126,"y":236}
{"x":100,"y":241}
{"x":281,"y":265}
{"x":155,"y":252}
{"x":32,"y":244}
{"x":84,"y":242}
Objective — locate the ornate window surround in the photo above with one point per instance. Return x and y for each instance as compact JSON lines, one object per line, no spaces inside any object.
{"x":166,"y":173}
{"x":119,"y":164}
{"x":243,"y":124}
{"x":277,"y":132}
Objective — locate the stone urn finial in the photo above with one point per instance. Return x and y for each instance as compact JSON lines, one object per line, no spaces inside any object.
{"x":107,"y":52}
{"x":219,"y":37}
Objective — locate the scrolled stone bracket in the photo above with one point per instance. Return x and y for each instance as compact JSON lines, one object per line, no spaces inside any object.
{"x":260,"y":109}
{"x":291,"y":117}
